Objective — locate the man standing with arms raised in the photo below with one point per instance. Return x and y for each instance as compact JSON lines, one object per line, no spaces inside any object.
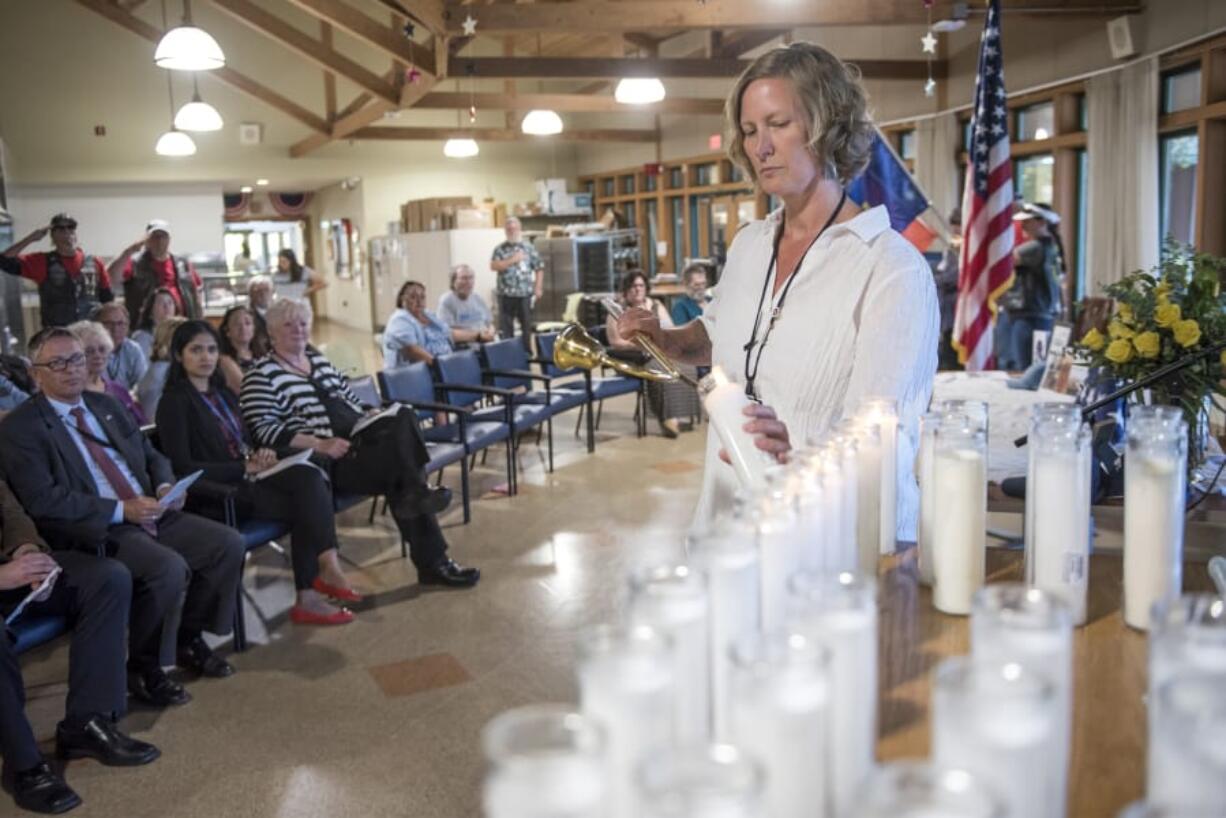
{"x":71,"y":284}
{"x":155,"y":267}
{"x":521,"y":276}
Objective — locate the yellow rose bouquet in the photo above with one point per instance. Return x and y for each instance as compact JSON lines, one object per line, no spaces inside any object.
{"x":1162,"y":316}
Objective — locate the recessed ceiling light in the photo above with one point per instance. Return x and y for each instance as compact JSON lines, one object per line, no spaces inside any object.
{"x":246,"y":189}
{"x":262,"y":182}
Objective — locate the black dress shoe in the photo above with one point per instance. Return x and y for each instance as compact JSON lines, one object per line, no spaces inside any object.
{"x":99,"y":738}
{"x":156,"y":688}
{"x":200,"y":659}
{"x":41,"y":789}
{"x":447,"y":572}
{"x":422,"y":500}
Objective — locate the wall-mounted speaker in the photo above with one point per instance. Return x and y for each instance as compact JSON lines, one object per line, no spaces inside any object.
{"x":1119,"y":36}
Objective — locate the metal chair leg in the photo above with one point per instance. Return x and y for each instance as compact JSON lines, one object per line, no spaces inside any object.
{"x":464,"y":488}
{"x":549,"y":426}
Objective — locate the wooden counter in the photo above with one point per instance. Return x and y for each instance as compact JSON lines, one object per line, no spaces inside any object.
{"x":1108,"y":754}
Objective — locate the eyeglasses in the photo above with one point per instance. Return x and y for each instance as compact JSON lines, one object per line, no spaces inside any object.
{"x":60,"y":364}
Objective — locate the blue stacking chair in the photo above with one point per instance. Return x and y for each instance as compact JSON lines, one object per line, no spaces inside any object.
{"x":508,"y":366}
{"x":414,"y":386}
{"x":461,"y":382}
{"x":598,"y":387}
{"x":31,"y":630}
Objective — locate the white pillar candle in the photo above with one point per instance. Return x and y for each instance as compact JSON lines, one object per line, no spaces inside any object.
{"x":625,"y":677}
{"x":780,"y":706}
{"x":1187,"y":636}
{"x":961,"y":514}
{"x":813,"y":517}
{"x":869,"y":473}
{"x":673,"y":600}
{"x":883,"y":412}
{"x":545,"y":761}
{"x":778,"y":539}
{"x":844,"y":468}
{"x":727,"y":556}
{"x":1013,"y":623}
{"x":928,"y":491}
{"x":996,"y":722}
{"x":1154,"y":498}
{"x":725,"y":402}
{"x":717,"y":781}
{"x":1186,"y":760}
{"x":913,"y":789}
{"x":840,"y":613}
{"x":1058,"y":507}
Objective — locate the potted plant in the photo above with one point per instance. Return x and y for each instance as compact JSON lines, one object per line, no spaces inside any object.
{"x":1161,"y":316}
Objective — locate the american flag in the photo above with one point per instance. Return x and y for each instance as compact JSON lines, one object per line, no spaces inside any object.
{"x":986,"y":270}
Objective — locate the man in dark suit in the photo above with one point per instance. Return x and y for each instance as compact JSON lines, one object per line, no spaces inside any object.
{"x":88,"y":476}
{"x":93,"y":594}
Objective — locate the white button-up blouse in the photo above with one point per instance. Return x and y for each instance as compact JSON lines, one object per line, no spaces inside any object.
{"x":860,"y":320}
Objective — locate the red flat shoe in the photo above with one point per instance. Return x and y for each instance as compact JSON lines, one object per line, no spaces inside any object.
{"x":343,"y":594}
{"x":301,"y":616}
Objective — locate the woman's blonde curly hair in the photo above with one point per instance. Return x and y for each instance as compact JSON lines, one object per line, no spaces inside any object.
{"x":834,"y":103}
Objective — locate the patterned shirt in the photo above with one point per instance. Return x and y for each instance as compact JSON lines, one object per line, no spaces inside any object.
{"x":404,"y":330}
{"x":518,"y":280}
{"x":277,"y":403}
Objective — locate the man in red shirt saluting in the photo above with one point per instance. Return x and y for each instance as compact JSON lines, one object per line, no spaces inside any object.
{"x":155,"y":267}
{"x":71,"y":284}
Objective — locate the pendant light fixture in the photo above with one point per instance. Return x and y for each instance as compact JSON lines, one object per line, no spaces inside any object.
{"x":197,"y":115}
{"x":463,"y":147}
{"x":639,"y":91}
{"x":174,"y":142}
{"x":541,"y":121}
{"x":188,"y":48}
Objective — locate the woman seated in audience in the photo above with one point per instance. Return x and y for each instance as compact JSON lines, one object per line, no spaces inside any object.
{"x":201,"y":429}
{"x":414,"y":333}
{"x":669,"y":401}
{"x":241,"y":345}
{"x":159,"y":306}
{"x":98,"y":345}
{"x":295,"y":398}
{"x":149,"y":389}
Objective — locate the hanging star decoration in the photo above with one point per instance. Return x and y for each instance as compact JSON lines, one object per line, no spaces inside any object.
{"x":930,"y":87}
{"x":472,"y":114}
{"x":929,"y":42}
{"x":412,"y":75}
{"x":470,"y":26}
{"x":408,"y":30}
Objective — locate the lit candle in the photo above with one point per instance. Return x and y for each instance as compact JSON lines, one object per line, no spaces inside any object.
{"x":870,"y":476}
{"x":1013,"y":623}
{"x":625,"y":677}
{"x":1187,"y":636}
{"x":913,"y":789}
{"x":718,"y":781}
{"x":544,"y":760}
{"x":673,"y":600}
{"x":883,"y":412}
{"x":1058,"y":505}
{"x":928,"y":491}
{"x":1186,"y":759}
{"x":998,"y":723}
{"x":840,"y":613}
{"x":961,"y":513}
{"x":778,"y":537}
{"x":844,"y":469}
{"x":780,"y":707}
{"x":725,"y":402}
{"x":727,"y":556}
{"x":1154,"y":497}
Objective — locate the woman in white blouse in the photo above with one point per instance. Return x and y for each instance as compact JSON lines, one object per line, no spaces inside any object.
{"x":821,"y":304}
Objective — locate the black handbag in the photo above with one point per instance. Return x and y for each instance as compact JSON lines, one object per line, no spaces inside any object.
{"x":341,"y":416}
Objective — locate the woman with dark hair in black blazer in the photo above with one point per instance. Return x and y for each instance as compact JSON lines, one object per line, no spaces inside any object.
{"x":201,"y":428}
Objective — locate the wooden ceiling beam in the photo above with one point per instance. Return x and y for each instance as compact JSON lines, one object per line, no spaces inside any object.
{"x":346,"y":126}
{"x":737,"y":43}
{"x":226,"y":74}
{"x":389,"y":41}
{"x":279,"y":31}
{"x":614,"y":16}
{"x":567,"y":103}
{"x":676,"y":68}
{"x":325,"y":37}
{"x":397,"y":134}
{"x":430,"y":13}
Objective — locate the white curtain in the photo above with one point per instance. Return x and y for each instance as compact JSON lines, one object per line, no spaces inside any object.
{"x":1122,"y":234}
{"x":936,"y":163}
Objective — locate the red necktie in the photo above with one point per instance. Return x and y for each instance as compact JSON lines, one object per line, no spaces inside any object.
{"x":122,"y":488}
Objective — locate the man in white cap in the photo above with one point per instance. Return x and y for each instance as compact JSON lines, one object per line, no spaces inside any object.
{"x":1034,"y":300}
{"x":155,"y":267}
{"x":71,"y":284}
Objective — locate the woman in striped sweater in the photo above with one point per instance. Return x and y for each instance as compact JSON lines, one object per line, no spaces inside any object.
{"x":295,"y":398}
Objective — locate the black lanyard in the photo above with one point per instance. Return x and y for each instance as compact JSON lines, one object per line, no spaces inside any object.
{"x":752,"y":374}
{"x":231,"y":428}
